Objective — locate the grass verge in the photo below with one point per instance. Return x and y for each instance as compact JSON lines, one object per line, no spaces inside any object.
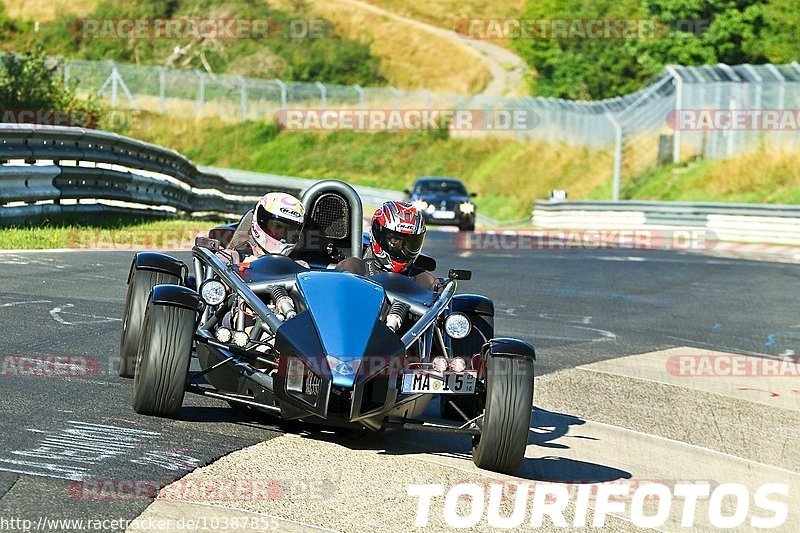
{"x":104,"y":233}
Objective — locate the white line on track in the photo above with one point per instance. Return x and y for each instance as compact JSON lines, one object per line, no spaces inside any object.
{"x":56,"y":313}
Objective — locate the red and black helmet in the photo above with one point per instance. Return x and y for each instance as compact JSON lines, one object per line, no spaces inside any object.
{"x":398,"y":232}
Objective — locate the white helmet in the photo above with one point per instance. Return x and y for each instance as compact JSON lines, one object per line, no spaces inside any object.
{"x":277,"y":223}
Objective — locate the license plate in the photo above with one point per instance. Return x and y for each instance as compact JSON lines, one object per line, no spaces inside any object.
{"x":447,"y":383}
{"x":444,"y":214}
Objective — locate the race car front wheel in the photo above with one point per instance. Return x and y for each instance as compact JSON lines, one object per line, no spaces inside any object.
{"x":139,"y":287}
{"x":163,"y":360}
{"x":507,"y":415}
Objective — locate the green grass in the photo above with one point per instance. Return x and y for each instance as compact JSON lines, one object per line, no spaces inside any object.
{"x":507,"y":175}
{"x":763,"y":176}
{"x":109,"y":233}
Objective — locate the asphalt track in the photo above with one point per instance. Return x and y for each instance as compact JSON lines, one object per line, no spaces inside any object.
{"x":578,"y":307}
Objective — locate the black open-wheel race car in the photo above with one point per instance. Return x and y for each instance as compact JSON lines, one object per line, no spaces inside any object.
{"x":325,"y":346}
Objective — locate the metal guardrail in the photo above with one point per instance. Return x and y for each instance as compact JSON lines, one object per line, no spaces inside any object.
{"x":50,"y":170}
{"x":46,"y":171}
{"x":754,"y":223}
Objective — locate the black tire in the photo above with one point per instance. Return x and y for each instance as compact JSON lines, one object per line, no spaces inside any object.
{"x":472,"y":344}
{"x":142,"y":282}
{"x":507,"y":415}
{"x":163,"y":360}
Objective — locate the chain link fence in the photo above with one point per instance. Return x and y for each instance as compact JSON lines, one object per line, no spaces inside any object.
{"x":685,"y":112}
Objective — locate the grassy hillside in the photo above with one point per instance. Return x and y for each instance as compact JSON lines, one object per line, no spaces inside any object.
{"x":410,"y":57}
{"x":508,"y":175}
{"x":47,"y":10}
{"x":451,"y":14}
{"x":330,"y":57}
{"x":764,"y":176}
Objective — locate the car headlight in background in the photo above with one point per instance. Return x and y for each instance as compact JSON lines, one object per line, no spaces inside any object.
{"x":420,"y":205}
{"x":457,"y":326}
{"x":467,"y":207}
{"x":212,"y":292}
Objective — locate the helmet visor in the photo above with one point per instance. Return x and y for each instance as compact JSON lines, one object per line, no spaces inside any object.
{"x":400,"y":246}
{"x":278,"y":228}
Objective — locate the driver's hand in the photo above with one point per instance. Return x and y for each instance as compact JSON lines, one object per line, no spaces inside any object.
{"x":437,"y":286}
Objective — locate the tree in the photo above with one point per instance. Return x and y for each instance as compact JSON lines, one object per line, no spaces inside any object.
{"x":690,"y":32}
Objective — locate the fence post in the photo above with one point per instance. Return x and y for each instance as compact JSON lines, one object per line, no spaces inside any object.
{"x":114,"y":85}
{"x":732,"y":106}
{"x":617,"y":156}
{"x":676,"y":146}
{"x":782,"y":87}
{"x":243,"y":98}
{"x":323,"y":96}
{"x":283,"y":94}
{"x":201,"y":91}
{"x":162,"y":75}
{"x":361,"y":97}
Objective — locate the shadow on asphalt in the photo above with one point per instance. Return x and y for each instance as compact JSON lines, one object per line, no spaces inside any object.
{"x":547,"y":430}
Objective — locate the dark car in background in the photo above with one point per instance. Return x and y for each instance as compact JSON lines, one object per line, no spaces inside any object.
{"x":444,"y":201}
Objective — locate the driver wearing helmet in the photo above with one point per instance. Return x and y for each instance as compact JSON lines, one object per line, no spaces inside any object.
{"x":398,"y":232}
{"x":273,"y":227}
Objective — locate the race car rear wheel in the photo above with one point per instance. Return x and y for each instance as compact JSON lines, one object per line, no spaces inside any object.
{"x":141,"y":283}
{"x":507,"y":414}
{"x":163,"y":360}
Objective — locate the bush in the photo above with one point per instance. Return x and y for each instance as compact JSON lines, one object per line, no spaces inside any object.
{"x":29,"y":83}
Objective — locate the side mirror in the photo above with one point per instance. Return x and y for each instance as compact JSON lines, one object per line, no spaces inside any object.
{"x":473,"y":194}
{"x":207,"y":242}
{"x":407,"y":191}
{"x":457,"y":273}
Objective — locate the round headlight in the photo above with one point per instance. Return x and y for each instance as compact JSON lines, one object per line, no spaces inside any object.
{"x":420,"y":205}
{"x":457,"y":326}
{"x":241,"y":339}
{"x":457,"y":364}
{"x":439,"y":363}
{"x":212,"y":292}
{"x":467,"y":207}
{"x":224,"y":335}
